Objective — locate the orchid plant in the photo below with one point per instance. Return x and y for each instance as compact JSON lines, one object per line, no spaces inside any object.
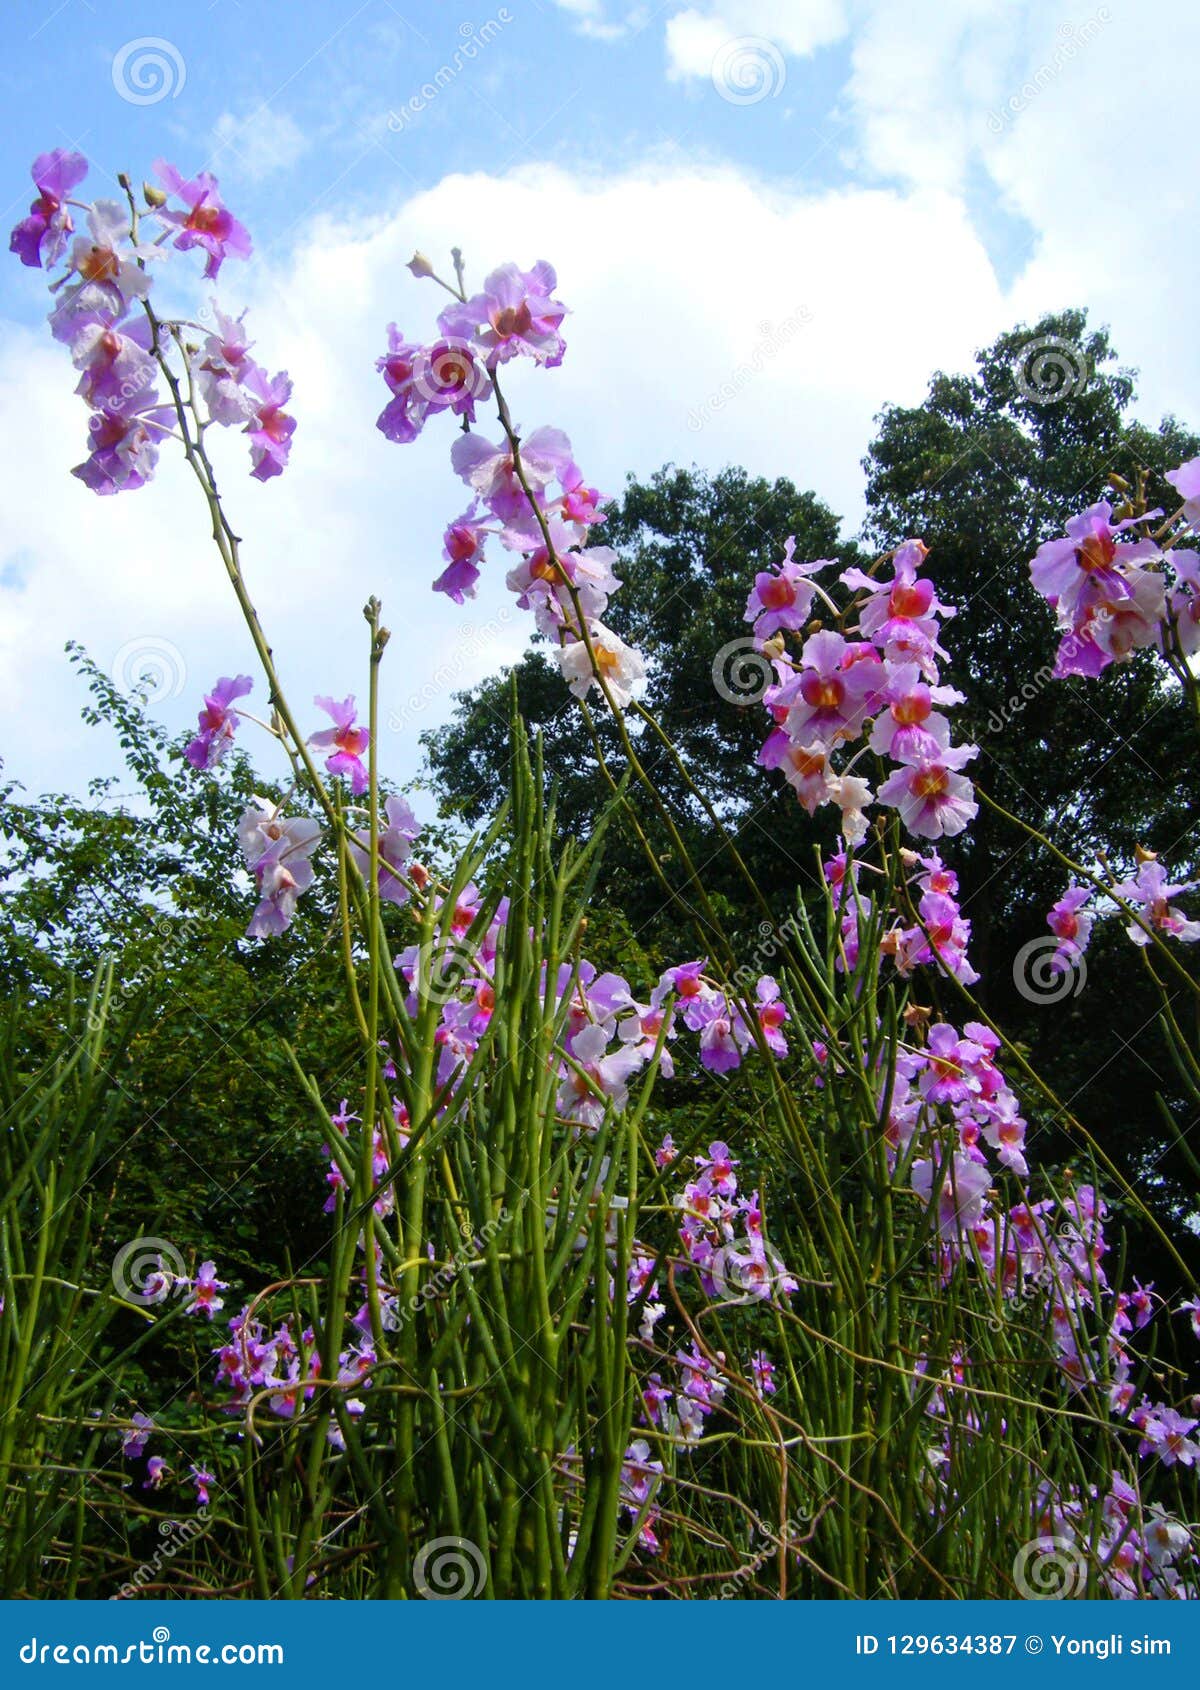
{"x":789,"y":1355}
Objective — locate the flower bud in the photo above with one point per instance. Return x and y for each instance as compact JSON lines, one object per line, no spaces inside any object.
{"x":420,"y":265}
{"x":152,"y":195}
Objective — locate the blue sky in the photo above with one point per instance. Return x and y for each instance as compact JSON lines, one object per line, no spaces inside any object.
{"x":836,"y":196}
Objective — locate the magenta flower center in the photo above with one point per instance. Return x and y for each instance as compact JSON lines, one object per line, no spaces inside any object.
{"x":931,"y":783}
{"x":512,"y":319}
{"x":100,"y":265}
{"x":913,"y":709}
{"x":1096,"y":552}
{"x":823,"y":692}
{"x":910,"y":598}
{"x":778,"y":594}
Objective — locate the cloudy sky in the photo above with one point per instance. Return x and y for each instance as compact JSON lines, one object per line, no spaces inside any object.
{"x":769,"y":217}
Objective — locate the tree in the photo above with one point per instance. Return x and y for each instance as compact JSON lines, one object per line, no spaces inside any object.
{"x":212,"y":1126}
{"x":689,"y":546}
{"x":985,"y":469}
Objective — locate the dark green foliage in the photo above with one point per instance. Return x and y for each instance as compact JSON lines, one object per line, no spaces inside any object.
{"x":689,"y":547}
{"x":212,"y":1135}
{"x":984,"y":473}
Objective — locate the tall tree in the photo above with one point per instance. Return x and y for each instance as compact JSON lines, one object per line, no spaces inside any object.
{"x":689,"y":546}
{"x":988,"y":466}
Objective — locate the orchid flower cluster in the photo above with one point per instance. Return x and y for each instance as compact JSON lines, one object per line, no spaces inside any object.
{"x":733,"y":1264}
{"x":284,"y":1367}
{"x":118,"y":342}
{"x":1045,"y":1255}
{"x":1116,"y":588}
{"x":1137,"y":1546}
{"x":609,"y":1035}
{"x":526,"y":493}
{"x":277,"y":848}
{"x":1149,"y":895}
{"x":881,"y":687}
{"x":135,"y":1438}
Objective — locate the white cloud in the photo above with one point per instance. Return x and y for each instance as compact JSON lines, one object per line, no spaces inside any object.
{"x":729,"y":323}
{"x":696,"y":37}
{"x":768,"y":319}
{"x":592,"y":19}
{"x":258,"y":144}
